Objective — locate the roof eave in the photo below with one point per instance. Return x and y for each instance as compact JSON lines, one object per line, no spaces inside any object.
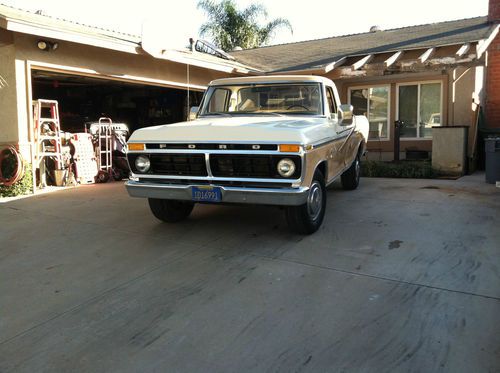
{"x":201,"y":60}
{"x":52,"y":33}
{"x":325,"y":68}
{"x":39,"y":30}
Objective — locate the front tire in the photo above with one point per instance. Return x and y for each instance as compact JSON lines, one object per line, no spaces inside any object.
{"x":307,"y":218}
{"x":170,"y":211}
{"x":350,"y":178}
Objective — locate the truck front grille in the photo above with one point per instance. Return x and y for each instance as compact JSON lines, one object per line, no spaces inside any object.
{"x":242,"y":166}
{"x":178,"y":164}
{"x":250,"y":166}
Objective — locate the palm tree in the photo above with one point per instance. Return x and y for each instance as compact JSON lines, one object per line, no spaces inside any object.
{"x":229,"y":27}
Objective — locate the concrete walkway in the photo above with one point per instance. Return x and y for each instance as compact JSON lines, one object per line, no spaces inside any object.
{"x":404,"y":276}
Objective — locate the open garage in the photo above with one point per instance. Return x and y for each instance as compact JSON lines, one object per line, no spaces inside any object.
{"x":81,"y":123}
{"x":84,"y":99}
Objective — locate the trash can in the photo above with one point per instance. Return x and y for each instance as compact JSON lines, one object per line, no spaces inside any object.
{"x":492,"y":159}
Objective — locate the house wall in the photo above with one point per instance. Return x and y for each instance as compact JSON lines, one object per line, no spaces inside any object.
{"x":8,"y":89}
{"x":19,"y":54}
{"x":458,"y":85}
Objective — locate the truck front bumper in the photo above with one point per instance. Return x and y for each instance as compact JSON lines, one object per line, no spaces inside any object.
{"x":261,"y":196}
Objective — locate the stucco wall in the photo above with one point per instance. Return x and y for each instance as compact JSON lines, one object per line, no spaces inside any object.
{"x":461,"y":86}
{"x":8,"y":96}
{"x":108,"y":62}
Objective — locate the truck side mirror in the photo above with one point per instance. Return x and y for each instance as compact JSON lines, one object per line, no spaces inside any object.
{"x":193,"y":112}
{"x":345,"y":114}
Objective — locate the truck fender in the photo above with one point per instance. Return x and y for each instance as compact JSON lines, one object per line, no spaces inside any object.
{"x":362,"y":125}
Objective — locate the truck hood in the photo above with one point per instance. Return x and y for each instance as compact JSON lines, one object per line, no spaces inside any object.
{"x":235,"y":129}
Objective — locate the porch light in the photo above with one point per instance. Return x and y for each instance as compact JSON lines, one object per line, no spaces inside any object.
{"x":47,"y":46}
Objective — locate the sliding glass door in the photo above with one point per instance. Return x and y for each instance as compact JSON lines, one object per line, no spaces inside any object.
{"x":419,"y":107}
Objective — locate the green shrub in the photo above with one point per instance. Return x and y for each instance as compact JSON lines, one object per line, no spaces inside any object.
{"x":23,"y":186}
{"x":402,"y":169}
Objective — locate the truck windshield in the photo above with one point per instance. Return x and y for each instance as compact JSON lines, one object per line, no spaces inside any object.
{"x":280,"y":98}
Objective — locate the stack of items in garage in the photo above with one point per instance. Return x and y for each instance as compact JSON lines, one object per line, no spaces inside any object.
{"x":66,"y":158}
{"x":84,"y":159}
{"x":110,"y":140}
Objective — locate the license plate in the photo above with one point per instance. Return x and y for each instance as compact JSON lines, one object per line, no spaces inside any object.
{"x":206,"y":194}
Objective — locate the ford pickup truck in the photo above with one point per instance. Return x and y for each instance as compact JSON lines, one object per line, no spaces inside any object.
{"x":272,"y":140}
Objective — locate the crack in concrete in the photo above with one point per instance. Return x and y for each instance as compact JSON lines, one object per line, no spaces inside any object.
{"x":382,"y":278}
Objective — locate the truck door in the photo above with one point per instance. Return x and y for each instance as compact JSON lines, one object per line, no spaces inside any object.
{"x":335,"y":160}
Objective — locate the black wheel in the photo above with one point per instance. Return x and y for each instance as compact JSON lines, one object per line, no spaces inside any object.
{"x":117,"y":174}
{"x":307,"y":218}
{"x":350,"y":177}
{"x":102,"y":177}
{"x":170,"y":211}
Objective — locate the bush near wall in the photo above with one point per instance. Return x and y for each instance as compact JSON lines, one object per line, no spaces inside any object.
{"x":402,"y":169}
{"x":23,"y":186}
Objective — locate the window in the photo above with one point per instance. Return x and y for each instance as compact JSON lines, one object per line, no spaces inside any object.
{"x":219,"y":100}
{"x":419,"y":107}
{"x":373,"y":102}
{"x":331,"y":100}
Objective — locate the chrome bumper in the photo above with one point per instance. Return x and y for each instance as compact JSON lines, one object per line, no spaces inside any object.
{"x":262,"y":196}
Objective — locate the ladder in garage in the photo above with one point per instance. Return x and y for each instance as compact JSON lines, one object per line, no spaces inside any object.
{"x":47,"y":136}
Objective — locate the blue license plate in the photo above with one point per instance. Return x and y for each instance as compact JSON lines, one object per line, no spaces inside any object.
{"x":206,"y":194}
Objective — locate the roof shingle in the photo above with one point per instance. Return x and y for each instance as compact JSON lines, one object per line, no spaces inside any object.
{"x":319,"y":53}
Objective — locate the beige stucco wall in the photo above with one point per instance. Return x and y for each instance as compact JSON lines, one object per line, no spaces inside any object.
{"x":8,"y":92}
{"x":461,"y":87}
{"x":19,"y":54}
{"x":108,"y":62}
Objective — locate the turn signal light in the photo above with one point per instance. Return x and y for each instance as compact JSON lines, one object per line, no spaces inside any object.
{"x":136,"y":146}
{"x":289,"y":148}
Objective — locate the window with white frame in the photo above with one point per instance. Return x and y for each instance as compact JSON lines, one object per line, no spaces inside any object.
{"x":420,"y":108}
{"x":373,"y":102}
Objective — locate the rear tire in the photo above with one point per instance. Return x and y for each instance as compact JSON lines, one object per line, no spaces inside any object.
{"x":307,"y":218}
{"x":350,"y":178}
{"x":170,"y":211}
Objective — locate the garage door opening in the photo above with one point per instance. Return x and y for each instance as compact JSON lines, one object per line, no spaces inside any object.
{"x":81,"y":102}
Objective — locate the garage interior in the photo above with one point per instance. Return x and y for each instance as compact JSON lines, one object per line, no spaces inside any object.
{"x":85,"y":99}
{"x":82,"y":100}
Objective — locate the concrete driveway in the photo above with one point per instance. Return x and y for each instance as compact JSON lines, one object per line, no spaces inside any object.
{"x":403,"y":276}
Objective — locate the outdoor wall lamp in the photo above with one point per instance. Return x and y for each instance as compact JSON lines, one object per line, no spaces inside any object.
{"x":47,"y":46}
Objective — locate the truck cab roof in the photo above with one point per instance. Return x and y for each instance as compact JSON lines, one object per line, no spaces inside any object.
{"x":265,"y":79}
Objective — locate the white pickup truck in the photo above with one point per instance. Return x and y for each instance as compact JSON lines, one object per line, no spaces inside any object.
{"x":273,"y":140}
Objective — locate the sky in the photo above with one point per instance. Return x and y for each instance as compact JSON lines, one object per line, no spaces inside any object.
{"x":180,"y":19}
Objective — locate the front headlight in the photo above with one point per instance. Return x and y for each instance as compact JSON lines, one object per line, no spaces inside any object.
{"x":142,"y":164}
{"x":286,"y":167}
